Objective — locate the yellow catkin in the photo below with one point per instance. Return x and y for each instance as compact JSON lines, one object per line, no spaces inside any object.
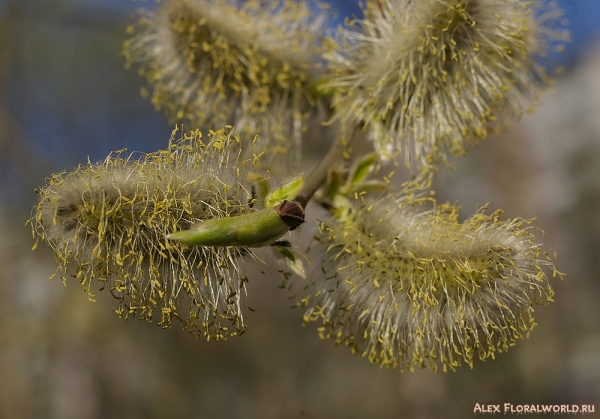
{"x":431,"y":76}
{"x":243,"y":63}
{"x":107,"y":224}
{"x":405,"y":286}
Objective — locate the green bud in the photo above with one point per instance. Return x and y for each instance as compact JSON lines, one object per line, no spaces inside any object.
{"x":287,"y":191}
{"x":362,"y":169}
{"x":255,"y":229}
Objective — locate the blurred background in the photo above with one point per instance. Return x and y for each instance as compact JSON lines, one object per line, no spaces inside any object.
{"x":65,"y":96}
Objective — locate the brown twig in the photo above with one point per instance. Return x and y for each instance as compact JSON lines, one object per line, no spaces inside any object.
{"x":318,"y":177}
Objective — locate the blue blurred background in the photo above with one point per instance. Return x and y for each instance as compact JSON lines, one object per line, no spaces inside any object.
{"x":65,"y":96}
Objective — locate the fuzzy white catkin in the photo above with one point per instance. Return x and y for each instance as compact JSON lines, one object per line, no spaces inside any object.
{"x":243,"y":63}
{"x":431,"y":76}
{"x":407,"y":287}
{"x":107,"y":224}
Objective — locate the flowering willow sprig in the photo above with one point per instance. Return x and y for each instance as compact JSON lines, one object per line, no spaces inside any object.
{"x":432,"y":76}
{"x":246,"y":63}
{"x":404,"y":286}
{"x":107,"y":222}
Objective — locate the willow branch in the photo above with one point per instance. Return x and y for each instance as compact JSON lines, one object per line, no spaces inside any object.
{"x":318,"y":177}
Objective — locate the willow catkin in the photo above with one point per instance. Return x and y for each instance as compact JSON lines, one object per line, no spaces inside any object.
{"x":409,"y":287}
{"x":431,"y":76}
{"x":245,"y":63}
{"x":107,"y":224}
